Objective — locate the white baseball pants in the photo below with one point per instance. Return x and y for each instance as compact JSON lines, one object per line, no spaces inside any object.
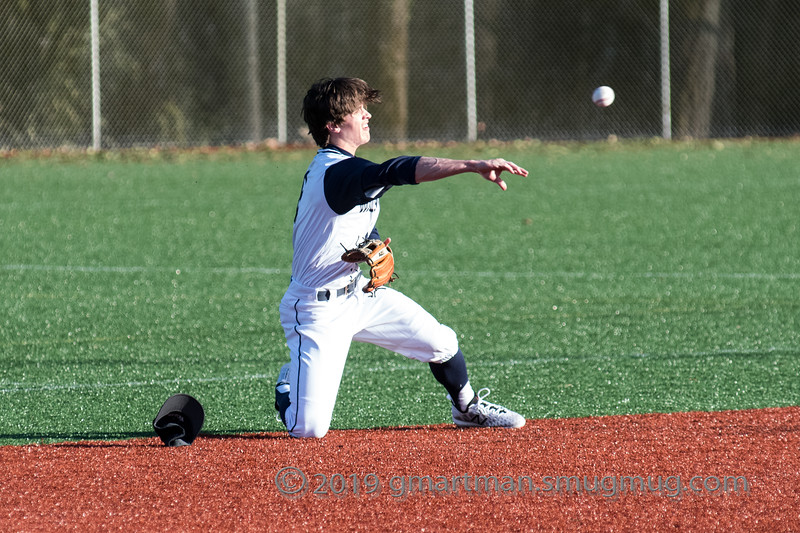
{"x":319,"y":334}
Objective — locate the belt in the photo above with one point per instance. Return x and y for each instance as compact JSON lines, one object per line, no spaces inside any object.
{"x":323,"y":295}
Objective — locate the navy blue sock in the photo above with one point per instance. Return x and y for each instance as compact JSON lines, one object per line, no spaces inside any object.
{"x":452,"y":374}
{"x":282,"y":404}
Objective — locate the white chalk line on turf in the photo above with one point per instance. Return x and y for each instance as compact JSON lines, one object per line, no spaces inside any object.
{"x":24,"y":387}
{"x":435,"y":273}
{"x":136,"y":269}
{"x":411,"y":366}
{"x":477,"y":362}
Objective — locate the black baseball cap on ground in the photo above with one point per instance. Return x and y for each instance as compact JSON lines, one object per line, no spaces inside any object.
{"x":179,"y":420}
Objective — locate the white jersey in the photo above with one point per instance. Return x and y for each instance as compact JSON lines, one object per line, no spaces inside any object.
{"x":338,"y":208}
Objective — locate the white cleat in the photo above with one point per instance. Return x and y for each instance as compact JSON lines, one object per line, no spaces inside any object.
{"x":483,"y":414}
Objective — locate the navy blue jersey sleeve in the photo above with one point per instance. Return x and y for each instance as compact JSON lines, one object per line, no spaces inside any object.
{"x":356,"y":181}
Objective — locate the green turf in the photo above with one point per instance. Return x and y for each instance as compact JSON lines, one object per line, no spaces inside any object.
{"x":622,"y":278}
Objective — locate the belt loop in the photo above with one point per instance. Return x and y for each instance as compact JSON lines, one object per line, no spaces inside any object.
{"x":324,"y":296}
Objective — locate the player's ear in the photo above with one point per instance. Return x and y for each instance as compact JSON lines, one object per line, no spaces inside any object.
{"x":333,"y":128}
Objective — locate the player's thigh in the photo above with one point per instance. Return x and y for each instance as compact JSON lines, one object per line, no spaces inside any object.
{"x":317,"y":369}
{"x":394,"y":321}
{"x":318,"y":353}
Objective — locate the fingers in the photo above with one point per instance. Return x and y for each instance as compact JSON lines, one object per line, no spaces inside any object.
{"x":508,"y":166}
{"x":497,"y":166}
{"x":495,"y":177}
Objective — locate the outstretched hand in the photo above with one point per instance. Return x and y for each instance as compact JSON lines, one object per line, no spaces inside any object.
{"x":492,"y":168}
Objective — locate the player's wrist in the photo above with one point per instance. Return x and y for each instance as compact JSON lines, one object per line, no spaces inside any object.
{"x":475,"y":165}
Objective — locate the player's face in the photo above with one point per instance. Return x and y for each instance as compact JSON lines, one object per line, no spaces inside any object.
{"x":353,"y":131}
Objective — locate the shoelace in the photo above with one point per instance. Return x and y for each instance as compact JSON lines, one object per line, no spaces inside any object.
{"x":486,"y":404}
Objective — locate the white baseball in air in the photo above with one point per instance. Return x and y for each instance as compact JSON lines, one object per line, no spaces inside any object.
{"x":603,"y":96}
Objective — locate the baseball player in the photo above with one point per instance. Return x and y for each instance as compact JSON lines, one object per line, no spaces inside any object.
{"x":329,"y":302}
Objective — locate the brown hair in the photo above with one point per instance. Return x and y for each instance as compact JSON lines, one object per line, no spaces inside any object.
{"x":331,"y":100}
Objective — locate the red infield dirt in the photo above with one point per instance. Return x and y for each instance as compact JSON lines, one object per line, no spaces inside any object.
{"x":731,"y":471}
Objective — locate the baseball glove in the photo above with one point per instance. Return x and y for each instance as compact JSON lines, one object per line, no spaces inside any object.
{"x":378,"y":256}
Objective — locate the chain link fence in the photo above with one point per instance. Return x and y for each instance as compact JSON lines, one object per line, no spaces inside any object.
{"x":205,"y":72}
